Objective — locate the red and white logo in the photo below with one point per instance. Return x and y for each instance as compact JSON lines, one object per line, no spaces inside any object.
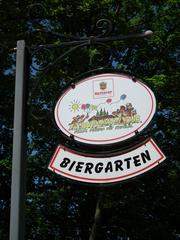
{"x":103,"y":88}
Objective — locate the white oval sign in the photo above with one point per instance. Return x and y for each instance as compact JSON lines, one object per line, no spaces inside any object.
{"x":136,"y":161}
{"x":105,"y":109}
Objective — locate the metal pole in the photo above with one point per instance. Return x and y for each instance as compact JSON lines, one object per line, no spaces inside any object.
{"x":17,"y":220}
{"x":94,"y":235}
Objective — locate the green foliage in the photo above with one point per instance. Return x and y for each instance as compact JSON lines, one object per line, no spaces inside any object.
{"x":5,"y":164}
{"x":158,"y":81}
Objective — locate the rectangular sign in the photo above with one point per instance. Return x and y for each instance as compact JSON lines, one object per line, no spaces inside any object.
{"x":136,"y":161}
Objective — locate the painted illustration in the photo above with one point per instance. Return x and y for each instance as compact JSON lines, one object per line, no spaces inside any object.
{"x":105,"y":116}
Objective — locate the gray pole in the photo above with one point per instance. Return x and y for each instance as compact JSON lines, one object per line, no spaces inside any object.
{"x":17,"y":220}
{"x":97,"y":217}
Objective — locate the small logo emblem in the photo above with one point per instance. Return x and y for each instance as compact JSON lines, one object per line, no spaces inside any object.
{"x":103,"y":85}
{"x":103,"y":88}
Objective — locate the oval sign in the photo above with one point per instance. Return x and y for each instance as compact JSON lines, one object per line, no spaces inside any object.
{"x":105,"y":109}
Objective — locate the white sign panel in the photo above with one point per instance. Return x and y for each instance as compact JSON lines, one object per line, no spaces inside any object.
{"x":90,"y":169}
{"x":105,"y":109}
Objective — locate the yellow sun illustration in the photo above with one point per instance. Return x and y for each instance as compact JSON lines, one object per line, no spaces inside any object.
{"x":75,"y":106}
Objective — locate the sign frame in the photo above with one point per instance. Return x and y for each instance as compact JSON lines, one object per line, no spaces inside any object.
{"x":72,"y":142}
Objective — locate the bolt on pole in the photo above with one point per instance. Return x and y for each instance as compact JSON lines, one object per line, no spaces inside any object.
{"x":17,"y":212}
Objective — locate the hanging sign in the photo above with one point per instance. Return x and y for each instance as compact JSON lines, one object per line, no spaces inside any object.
{"x":84,"y":168}
{"x":105,"y":109}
